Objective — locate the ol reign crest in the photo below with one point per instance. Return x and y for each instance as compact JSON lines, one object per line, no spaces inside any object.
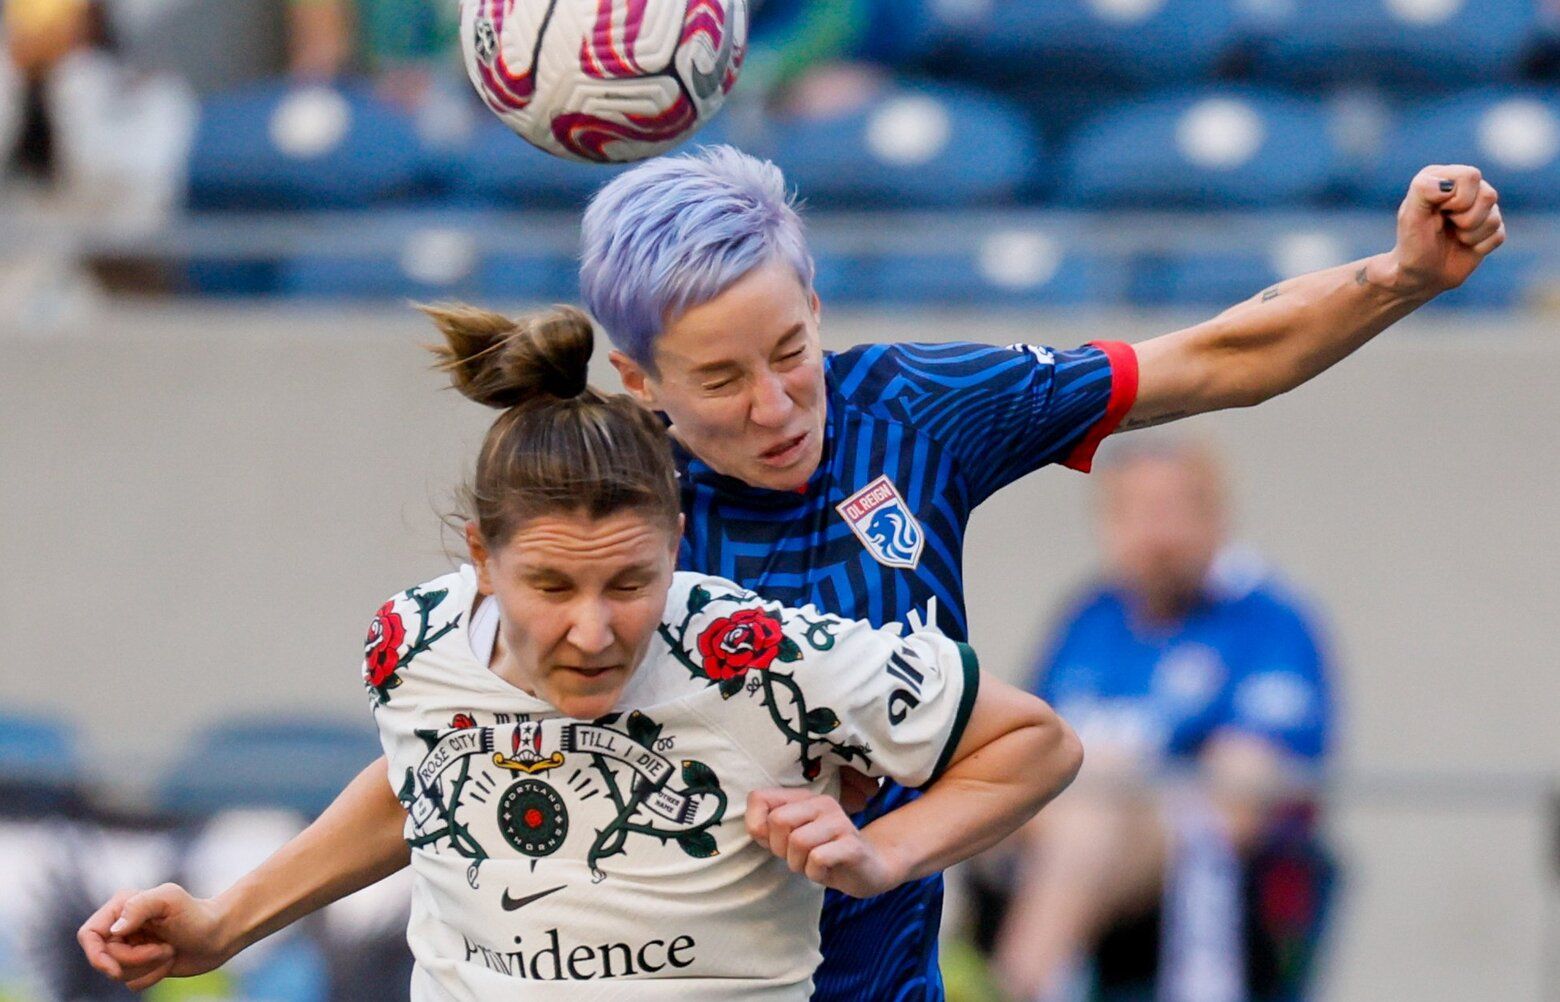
{"x":879,"y":517}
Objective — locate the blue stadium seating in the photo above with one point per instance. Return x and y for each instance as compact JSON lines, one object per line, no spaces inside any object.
{"x":495,"y":166}
{"x":925,"y":146}
{"x":1435,"y":42}
{"x":1512,"y":134}
{"x":1513,"y":278}
{"x":529,"y":276}
{"x":275,"y":146}
{"x":36,"y":749}
{"x":897,"y":31}
{"x":1158,"y":41}
{"x":298,"y":764}
{"x":330,"y":276}
{"x":1210,"y":147}
{"x":1010,"y":268}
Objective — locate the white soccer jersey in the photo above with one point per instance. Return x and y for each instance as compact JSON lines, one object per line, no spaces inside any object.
{"x":565,"y":859}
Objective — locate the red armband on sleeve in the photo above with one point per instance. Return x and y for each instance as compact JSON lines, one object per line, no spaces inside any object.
{"x":1123,"y":394}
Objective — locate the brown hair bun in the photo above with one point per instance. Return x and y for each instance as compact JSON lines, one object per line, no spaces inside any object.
{"x":502,"y":362}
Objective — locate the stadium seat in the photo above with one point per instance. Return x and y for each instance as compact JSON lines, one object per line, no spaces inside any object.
{"x":1147,"y":41}
{"x":898,"y":31}
{"x":36,"y":748}
{"x":416,"y":256}
{"x":1216,"y":278}
{"x":1512,"y":134}
{"x":529,"y":277}
{"x":496,"y":167}
{"x":1222,"y":147}
{"x":924,"y":146}
{"x":1009,"y":267}
{"x":1511,"y":279}
{"x":298,"y":764}
{"x":1438,"y":42}
{"x":275,"y":146}
{"x":39,"y":766}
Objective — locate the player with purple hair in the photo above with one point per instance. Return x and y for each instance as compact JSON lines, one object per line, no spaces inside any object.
{"x":846,"y":480}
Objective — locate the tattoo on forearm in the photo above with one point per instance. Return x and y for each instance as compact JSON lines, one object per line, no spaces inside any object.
{"x":1272,"y":293}
{"x":1359,"y":276}
{"x":1133,"y":424}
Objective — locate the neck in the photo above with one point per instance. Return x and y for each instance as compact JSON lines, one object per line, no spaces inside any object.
{"x":1164,"y":608}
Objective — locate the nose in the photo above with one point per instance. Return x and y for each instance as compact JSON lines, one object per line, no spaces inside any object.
{"x":590,"y":627}
{"x":772,"y":405}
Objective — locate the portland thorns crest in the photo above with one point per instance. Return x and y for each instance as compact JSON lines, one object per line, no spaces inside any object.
{"x":879,"y":517}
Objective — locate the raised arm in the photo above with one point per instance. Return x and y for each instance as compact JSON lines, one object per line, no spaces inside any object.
{"x":1448,"y":223}
{"x":141,"y":938}
{"x":1015,"y":755}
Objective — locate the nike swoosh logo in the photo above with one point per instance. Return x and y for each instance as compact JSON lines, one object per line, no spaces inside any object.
{"x":512,"y":904}
{"x":706,"y":84}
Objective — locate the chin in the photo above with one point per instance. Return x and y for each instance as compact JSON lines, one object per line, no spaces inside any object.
{"x":587,"y":707}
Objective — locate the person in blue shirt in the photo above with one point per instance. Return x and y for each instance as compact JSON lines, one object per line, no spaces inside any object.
{"x":1190,"y":656}
{"x":847,"y":480}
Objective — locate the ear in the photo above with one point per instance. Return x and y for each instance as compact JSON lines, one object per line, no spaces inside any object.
{"x":682,"y":527}
{"x":479,"y":558}
{"x":635,"y":380}
{"x":815,"y":304}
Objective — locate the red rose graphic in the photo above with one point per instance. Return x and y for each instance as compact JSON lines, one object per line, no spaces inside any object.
{"x":748,"y":638}
{"x":382,"y":649}
{"x":462,"y":721}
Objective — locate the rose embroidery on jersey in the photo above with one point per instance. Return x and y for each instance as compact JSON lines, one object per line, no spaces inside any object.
{"x":382,"y":650}
{"x":383,"y":656}
{"x":726,"y":653}
{"x":748,"y":638}
{"x":462,"y":721}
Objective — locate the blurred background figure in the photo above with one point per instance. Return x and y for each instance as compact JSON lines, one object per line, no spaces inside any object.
{"x":405,"y":46}
{"x":1199,"y":686}
{"x":807,"y":57}
{"x":106,"y":96}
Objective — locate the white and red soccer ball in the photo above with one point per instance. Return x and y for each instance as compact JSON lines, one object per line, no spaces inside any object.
{"x":604,"y":80}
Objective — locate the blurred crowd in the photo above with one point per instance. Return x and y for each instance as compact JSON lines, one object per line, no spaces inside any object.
{"x":83,"y":76}
{"x":114,"y":91}
{"x":171,"y":112}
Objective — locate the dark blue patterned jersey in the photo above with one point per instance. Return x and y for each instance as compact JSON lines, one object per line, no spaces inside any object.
{"x":915,"y":436}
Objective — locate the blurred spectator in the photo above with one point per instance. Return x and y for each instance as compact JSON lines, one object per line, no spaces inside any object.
{"x":790,"y":37}
{"x":1190,"y":660}
{"x":407,"y":46}
{"x":106,"y":98}
{"x":803,"y":60}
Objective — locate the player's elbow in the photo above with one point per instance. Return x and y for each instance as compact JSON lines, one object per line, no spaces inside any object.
{"x":1058,"y":754}
{"x":1068,"y":756}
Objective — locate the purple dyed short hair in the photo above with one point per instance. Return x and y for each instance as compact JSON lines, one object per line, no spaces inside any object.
{"x":676,"y":232}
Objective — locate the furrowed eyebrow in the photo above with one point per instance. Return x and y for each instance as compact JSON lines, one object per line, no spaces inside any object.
{"x":713,"y":368}
{"x":791,"y":335}
{"x":726,"y":365}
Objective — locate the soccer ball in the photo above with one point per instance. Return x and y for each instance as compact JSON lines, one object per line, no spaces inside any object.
{"x":604,"y":80}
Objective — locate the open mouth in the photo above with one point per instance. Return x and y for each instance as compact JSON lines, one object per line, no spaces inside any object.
{"x":784,"y":453}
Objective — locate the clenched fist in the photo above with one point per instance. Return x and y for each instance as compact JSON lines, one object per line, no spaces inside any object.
{"x":816,"y":838}
{"x":1449,"y":222}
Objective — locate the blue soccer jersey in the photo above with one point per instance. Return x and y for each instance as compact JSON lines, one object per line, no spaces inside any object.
{"x":1246,"y":659}
{"x":915,"y":437}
